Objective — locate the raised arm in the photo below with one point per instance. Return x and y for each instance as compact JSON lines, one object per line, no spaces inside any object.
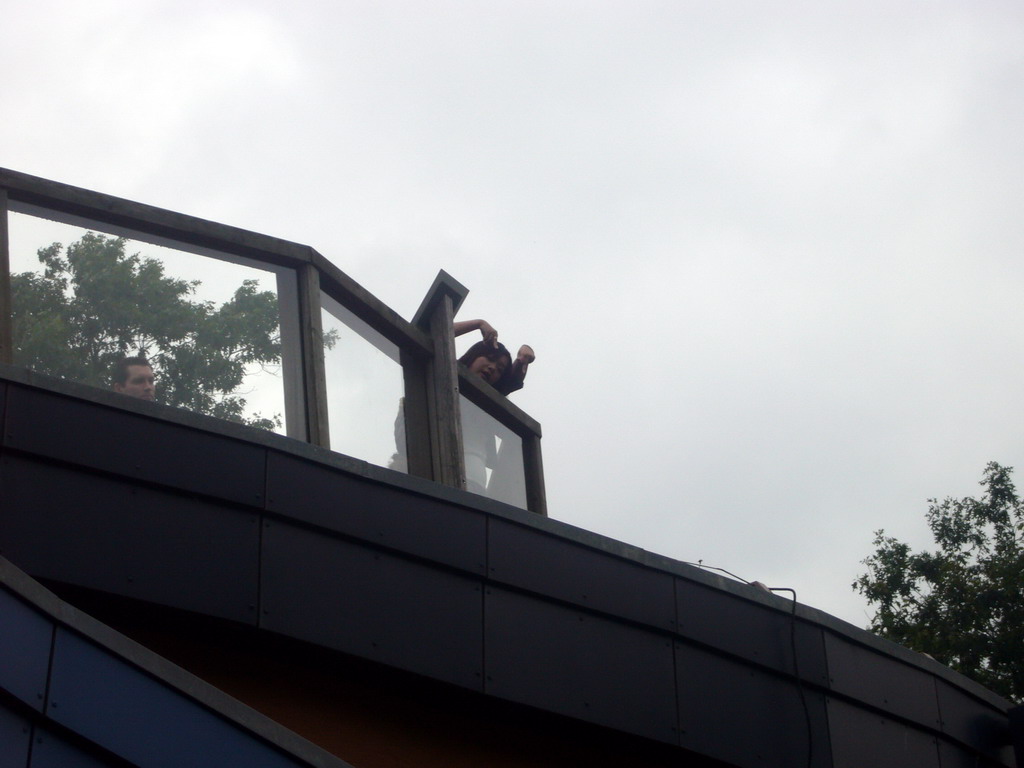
{"x":490,"y":335}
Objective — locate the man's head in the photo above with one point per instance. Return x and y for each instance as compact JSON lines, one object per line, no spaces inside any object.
{"x":133,"y":376}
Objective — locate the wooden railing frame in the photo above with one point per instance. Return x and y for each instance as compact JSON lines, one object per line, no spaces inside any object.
{"x":432,"y":377}
{"x":6,"y":309}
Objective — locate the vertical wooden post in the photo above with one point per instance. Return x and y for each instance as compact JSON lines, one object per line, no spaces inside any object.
{"x":416,"y":412}
{"x":436,"y":315}
{"x":533,"y":470}
{"x":292,"y":377}
{"x":443,"y":404}
{"x":314,"y":375}
{"x":6,"y":305}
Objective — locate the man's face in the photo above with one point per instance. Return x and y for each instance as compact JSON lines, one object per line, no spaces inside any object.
{"x":139,"y":383}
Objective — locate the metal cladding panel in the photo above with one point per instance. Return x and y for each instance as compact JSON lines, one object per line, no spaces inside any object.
{"x":109,"y":535}
{"x":953,"y":756}
{"x":134,"y":446}
{"x":578,"y":664}
{"x":25,"y":641}
{"x":3,"y":404}
{"x":368,"y":603}
{"x":15,"y":737}
{"x":396,"y":519}
{"x":862,"y":739}
{"x":751,"y":631}
{"x":881,"y":681}
{"x":51,"y":751}
{"x":120,"y":708}
{"x":740,"y":714}
{"x":548,"y":565}
{"x":974,"y":723}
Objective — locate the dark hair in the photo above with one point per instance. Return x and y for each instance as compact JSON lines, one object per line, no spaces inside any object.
{"x":492,"y":353}
{"x":119,"y":373}
{"x":485,"y":349}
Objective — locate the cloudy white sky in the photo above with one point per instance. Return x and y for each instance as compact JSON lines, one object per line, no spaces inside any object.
{"x":770,"y":255}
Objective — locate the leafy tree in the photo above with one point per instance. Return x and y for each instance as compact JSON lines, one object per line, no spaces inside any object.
{"x":94,"y":304}
{"x":962,"y":604}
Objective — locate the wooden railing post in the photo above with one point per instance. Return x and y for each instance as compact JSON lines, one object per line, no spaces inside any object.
{"x":6,"y":300}
{"x":314,"y":376}
{"x":416,"y":412}
{"x":533,"y":469}
{"x":436,"y":316}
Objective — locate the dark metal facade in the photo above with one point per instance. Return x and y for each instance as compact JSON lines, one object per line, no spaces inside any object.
{"x":75,"y":694}
{"x":147,"y":502}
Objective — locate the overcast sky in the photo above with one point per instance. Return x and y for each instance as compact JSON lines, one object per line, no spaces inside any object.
{"x":770,"y":255}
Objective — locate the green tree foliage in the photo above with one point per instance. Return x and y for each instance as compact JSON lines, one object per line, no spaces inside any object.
{"x":963,"y":603}
{"x":94,"y":304}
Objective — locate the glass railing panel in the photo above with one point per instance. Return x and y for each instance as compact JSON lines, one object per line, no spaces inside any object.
{"x":220,"y":331}
{"x":365,"y":389}
{"x":493,"y":455}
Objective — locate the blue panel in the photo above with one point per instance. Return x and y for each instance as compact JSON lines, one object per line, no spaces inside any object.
{"x":549,"y":565}
{"x":25,"y":639}
{"x":750,"y":630}
{"x":742,"y":715}
{"x":881,"y":681}
{"x":368,"y":603}
{"x":80,"y":432}
{"x":578,"y":664}
{"x":122,"y":709}
{"x":862,"y":739}
{"x":377,"y":513}
{"x":15,"y":735}
{"x":104,"y":534}
{"x":51,"y":751}
{"x":973,"y":722}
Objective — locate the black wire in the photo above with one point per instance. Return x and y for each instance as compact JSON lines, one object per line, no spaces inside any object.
{"x":700,"y":564}
{"x":792,"y":644}
{"x":796,"y":673}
